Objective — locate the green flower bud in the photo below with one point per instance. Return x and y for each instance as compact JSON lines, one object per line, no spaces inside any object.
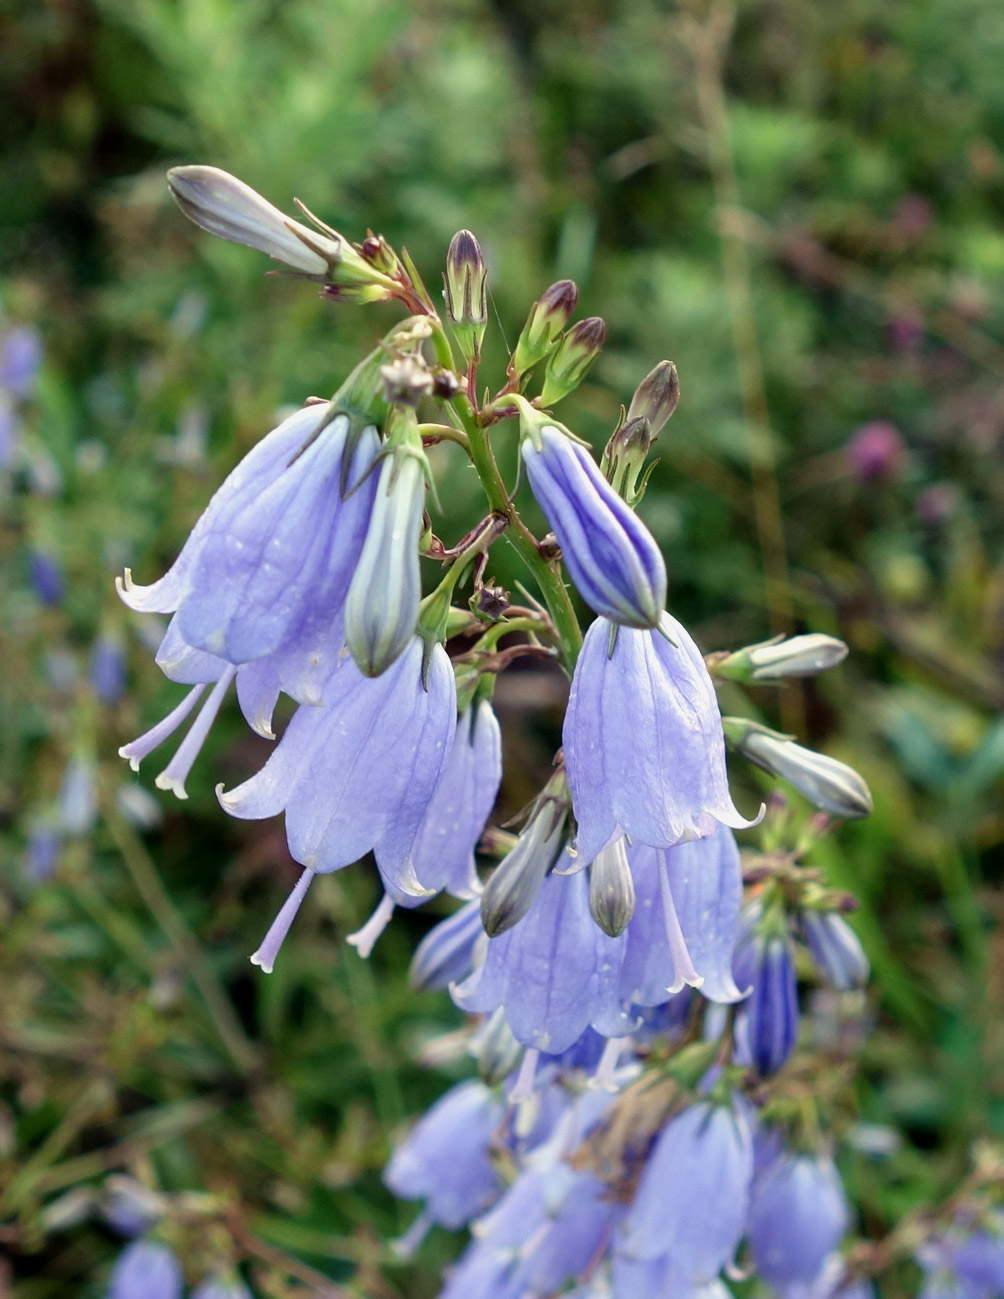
{"x":611,"y":889}
{"x":828,"y":784}
{"x":568,"y":363}
{"x":656,"y":397}
{"x":515,"y":882}
{"x":548,"y":317}
{"x":465,"y":293}
{"x":774,"y":660}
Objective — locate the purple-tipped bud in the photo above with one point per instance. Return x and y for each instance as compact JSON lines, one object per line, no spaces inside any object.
{"x":225,"y":206}
{"x":611,"y":889}
{"x":767,"y":1024}
{"x":547,"y":319}
{"x":656,"y":397}
{"x":381,"y":610}
{"x":776,"y":660}
{"x":571,"y":359}
{"x":828,"y":784}
{"x":516,"y":881}
{"x":446,"y":1160}
{"x":835,"y":949}
{"x":146,"y":1270}
{"x":446,"y":954}
{"x":466,"y":294}
{"x":614,"y":561}
{"x":798,"y":1217}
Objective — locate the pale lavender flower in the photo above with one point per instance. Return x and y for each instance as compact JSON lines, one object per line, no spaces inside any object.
{"x":446,"y":1159}
{"x":686,"y":920}
{"x":356,"y":775}
{"x":569,"y":1239}
{"x":442,"y":854}
{"x":644,"y":747}
{"x":42,"y":851}
{"x":482,"y":1273}
{"x":278,"y":543}
{"x":612,"y":557}
{"x":555,"y":971}
{"x":146,"y":1270}
{"x":835,"y":949}
{"x":693,"y":1197}
{"x":798,"y":1216}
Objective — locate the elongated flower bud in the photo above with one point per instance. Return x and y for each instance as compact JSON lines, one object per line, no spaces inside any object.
{"x":382,"y":606}
{"x":446,"y":954}
{"x":548,"y":317}
{"x":774,"y":660}
{"x":656,"y":397}
{"x":516,"y":881}
{"x":568,"y":363}
{"x":497,"y":1050}
{"x":614,"y":561}
{"x":828,"y":784}
{"x":611,"y":890}
{"x":465,"y":293}
{"x":225,"y":206}
{"x":768,"y":1021}
{"x":835,"y":949}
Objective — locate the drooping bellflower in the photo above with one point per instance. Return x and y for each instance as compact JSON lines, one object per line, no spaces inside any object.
{"x":767,"y":1022}
{"x":278,"y":542}
{"x":644,"y":747}
{"x":798,"y":1216}
{"x":356,"y":774}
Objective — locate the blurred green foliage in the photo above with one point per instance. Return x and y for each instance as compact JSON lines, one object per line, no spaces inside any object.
{"x":854,"y":186}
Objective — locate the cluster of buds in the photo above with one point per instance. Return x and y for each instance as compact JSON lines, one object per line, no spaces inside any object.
{"x":614,"y":920}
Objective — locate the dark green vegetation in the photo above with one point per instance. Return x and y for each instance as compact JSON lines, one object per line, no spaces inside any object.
{"x":805,"y":214}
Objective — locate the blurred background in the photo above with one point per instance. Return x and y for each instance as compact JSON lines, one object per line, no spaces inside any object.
{"x":801,"y":205}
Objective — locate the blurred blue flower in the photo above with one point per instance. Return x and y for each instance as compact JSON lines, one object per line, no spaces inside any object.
{"x":146,"y":1270}
{"x":46,"y":577}
{"x":108,"y":668}
{"x":20,"y":361}
{"x":78,"y":796}
{"x":798,"y":1216}
{"x":767,"y":1023}
{"x":446,"y":1159}
{"x":446,"y":953}
{"x":835,"y":949}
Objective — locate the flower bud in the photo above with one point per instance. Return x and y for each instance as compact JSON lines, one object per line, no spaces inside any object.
{"x":516,"y":881}
{"x":447,"y":953}
{"x":568,"y":363}
{"x":548,"y":317}
{"x":828,"y":784}
{"x":611,"y":889}
{"x":496,"y":1049}
{"x":773,"y":660}
{"x":656,"y":397}
{"x":613,"y":559}
{"x":835,"y":949}
{"x":381,"y":610}
{"x":767,"y":1025}
{"x":465,"y":294}
{"x":225,"y":206}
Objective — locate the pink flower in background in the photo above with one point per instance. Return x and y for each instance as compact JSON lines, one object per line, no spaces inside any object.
{"x":876,"y":452}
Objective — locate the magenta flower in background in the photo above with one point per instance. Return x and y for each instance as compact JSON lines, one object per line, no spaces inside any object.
{"x":876,"y":452}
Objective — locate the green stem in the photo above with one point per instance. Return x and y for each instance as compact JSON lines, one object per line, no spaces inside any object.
{"x":548,"y":576}
{"x":148,"y":884}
